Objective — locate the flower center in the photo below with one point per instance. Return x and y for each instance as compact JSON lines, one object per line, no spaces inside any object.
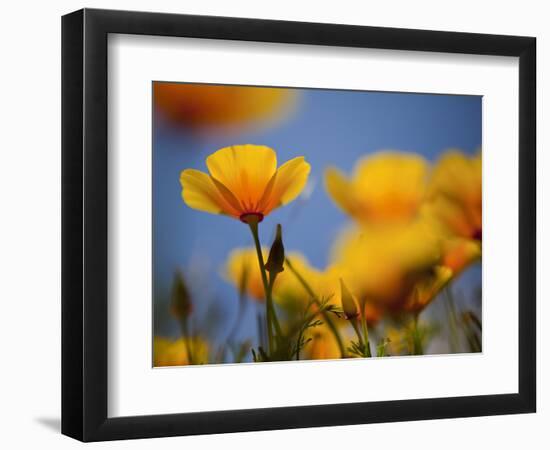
{"x":477,"y":234}
{"x":251,"y":216}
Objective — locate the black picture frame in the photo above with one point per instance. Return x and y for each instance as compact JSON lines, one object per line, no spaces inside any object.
{"x":84,"y":224}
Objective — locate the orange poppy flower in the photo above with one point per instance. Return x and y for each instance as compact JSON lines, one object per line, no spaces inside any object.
{"x":244,"y":181}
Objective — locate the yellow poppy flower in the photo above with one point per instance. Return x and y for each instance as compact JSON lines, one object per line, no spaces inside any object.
{"x":387,"y":187}
{"x":244,"y":182}
{"x":243,"y":271}
{"x":455,"y":195}
{"x":390,"y":266}
{"x":199,"y":106}
{"x":454,"y":206}
{"x":168,"y":352}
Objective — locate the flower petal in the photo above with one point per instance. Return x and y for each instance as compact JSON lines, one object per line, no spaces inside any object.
{"x":452,"y":215}
{"x":200,"y":192}
{"x":457,"y":177}
{"x":340,"y":190}
{"x":390,"y":185}
{"x":459,"y":253}
{"x":242,"y":270}
{"x":427,"y":288}
{"x":289,"y":180}
{"x":245,"y":170}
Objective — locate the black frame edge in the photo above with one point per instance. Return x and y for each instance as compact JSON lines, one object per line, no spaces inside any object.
{"x":528,"y":224}
{"x":84,"y":247}
{"x":72,"y":93}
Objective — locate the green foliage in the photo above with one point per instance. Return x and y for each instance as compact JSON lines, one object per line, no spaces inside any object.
{"x":358,"y":348}
{"x":472,"y":330}
{"x":288,"y":345}
{"x":381,"y":348}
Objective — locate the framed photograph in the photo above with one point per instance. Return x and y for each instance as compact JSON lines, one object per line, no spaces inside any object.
{"x":273,"y":224}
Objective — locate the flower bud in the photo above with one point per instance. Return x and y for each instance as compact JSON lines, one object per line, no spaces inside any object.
{"x":181,"y":305}
{"x":276,"y":257}
{"x":348,"y":302}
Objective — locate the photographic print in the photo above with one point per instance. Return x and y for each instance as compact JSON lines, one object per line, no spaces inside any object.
{"x":296,"y":224}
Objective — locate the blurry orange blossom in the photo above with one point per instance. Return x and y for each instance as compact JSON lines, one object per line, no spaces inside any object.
{"x":396,"y":268}
{"x":455,"y":205}
{"x":168,"y":352}
{"x":242,"y":270}
{"x":385,"y":188}
{"x":198,"y":106}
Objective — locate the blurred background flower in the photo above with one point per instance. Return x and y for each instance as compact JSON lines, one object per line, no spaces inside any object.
{"x":455,"y":203}
{"x":383,"y":265}
{"x":167,"y":352}
{"x":243,"y":272}
{"x":215,"y":108}
{"x":386,"y":188}
{"x":455,"y":192}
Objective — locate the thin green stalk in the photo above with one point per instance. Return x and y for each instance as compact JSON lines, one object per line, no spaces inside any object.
{"x":452,"y":319}
{"x":300,"y":335}
{"x":240,"y":312}
{"x":185,"y":335}
{"x":365,"y":333}
{"x":326,"y":317}
{"x":417,"y":341}
{"x":261,"y":331}
{"x":306,"y":320}
{"x":276,"y":325}
{"x":356,"y":328}
{"x":231,"y":336}
{"x":270,"y":310}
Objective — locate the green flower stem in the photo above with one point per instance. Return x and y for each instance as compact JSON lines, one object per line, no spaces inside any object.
{"x":276,"y":325}
{"x":306,"y":319}
{"x":452,"y":319}
{"x":261,"y":331}
{"x":253,"y":224}
{"x":185,"y":335}
{"x":240,"y":311}
{"x":417,"y":341}
{"x":356,"y":329}
{"x":326,"y":317}
{"x":365,"y":332}
{"x":231,"y":336}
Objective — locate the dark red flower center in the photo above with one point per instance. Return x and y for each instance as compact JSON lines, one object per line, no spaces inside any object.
{"x":477,"y":234}
{"x":246,"y":217}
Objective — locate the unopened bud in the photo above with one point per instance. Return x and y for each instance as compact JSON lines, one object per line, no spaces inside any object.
{"x":276,"y":257}
{"x":348,"y":302}
{"x":181,"y":305}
